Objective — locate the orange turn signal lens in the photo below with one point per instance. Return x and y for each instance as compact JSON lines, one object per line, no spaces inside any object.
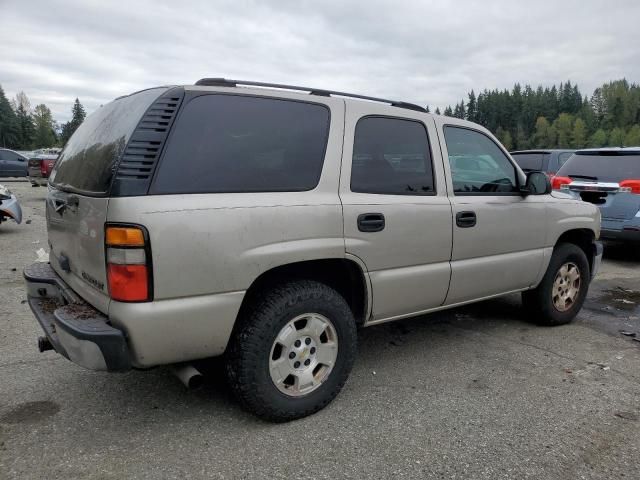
{"x":124,"y":236}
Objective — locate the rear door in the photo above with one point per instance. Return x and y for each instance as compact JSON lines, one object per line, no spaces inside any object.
{"x":76,"y":207}
{"x":397,"y":216}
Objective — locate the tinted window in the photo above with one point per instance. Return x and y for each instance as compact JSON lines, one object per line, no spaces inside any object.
{"x":391,"y":156}
{"x":604,"y":168}
{"x":528,"y":161}
{"x":233,"y":143}
{"x":88,"y":161}
{"x":563,"y":157}
{"x":477,"y":164}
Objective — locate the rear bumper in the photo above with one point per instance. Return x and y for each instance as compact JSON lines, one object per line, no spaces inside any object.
{"x":76,"y":330}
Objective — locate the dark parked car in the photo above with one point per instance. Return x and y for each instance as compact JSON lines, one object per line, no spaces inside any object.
{"x":610,"y":179}
{"x":548,"y":161}
{"x":12,"y":164}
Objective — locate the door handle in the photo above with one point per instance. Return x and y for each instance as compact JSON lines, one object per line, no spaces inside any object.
{"x":466,"y":219}
{"x":371,"y":222}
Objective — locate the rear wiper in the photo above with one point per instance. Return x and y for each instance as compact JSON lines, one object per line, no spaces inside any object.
{"x":586,"y":177}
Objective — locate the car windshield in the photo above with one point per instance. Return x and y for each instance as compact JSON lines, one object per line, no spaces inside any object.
{"x":603,"y":166}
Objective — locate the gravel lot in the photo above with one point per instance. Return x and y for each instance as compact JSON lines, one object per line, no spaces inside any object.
{"x":475,"y":392}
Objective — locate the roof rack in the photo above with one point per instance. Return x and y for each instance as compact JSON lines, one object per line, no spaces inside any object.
{"x":223,"y":82}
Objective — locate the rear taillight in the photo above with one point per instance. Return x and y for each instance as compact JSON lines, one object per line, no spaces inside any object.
{"x":128,"y":263}
{"x":43,"y":168}
{"x":632,"y":186}
{"x":558,"y":182}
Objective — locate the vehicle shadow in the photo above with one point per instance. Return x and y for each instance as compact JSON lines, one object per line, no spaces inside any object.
{"x":627,"y":252}
{"x":158,"y":396}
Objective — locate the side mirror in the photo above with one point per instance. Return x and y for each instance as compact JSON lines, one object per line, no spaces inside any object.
{"x":538,"y":183}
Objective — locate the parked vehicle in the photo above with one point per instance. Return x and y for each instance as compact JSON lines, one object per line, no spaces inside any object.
{"x":9,"y":206}
{"x":40,"y":168}
{"x":266,"y":224}
{"x":610,"y":179}
{"x":549,"y":160}
{"x":12,"y":164}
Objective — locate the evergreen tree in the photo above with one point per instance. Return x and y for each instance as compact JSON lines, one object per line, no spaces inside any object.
{"x":632,"y":139}
{"x":77,"y":117}
{"x":598,"y":139}
{"x":8,"y":123}
{"x":579,"y":134}
{"x":26,"y":129}
{"x":448,"y":112}
{"x":44,"y":127}
{"x":472,"y":107}
{"x":438,"y":111}
{"x":522,"y":142}
{"x":427,"y":109}
{"x":616,"y":137}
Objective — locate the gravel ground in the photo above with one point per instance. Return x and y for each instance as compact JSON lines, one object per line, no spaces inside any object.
{"x":475,"y":392}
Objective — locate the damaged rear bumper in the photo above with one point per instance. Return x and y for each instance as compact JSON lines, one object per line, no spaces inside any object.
{"x":75,"y":329}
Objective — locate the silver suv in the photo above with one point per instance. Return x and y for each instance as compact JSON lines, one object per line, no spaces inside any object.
{"x":266,"y":223}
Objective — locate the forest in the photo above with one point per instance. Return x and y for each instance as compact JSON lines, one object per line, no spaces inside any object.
{"x":557,"y":116}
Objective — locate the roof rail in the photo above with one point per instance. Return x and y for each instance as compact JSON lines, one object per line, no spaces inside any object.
{"x":223,"y":82}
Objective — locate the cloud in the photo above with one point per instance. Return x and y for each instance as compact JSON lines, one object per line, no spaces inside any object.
{"x":427,"y":52}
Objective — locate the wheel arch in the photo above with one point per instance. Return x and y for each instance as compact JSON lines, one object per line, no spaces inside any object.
{"x":583,"y":238}
{"x":348,"y":276}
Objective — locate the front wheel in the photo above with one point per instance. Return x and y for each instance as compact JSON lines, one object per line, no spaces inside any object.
{"x":293,"y":351}
{"x":560,"y":295}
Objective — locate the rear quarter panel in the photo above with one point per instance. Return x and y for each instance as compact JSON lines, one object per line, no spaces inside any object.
{"x":207,"y":249}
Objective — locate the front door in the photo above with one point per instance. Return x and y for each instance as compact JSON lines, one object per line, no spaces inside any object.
{"x":397,"y":216}
{"x":498,"y":234}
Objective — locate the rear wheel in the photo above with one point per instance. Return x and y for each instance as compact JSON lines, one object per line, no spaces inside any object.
{"x":293,"y":351}
{"x":560,"y":295}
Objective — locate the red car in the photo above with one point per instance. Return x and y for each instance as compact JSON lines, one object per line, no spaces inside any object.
{"x":40,"y":168}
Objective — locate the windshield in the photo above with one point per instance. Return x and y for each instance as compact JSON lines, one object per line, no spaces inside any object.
{"x":603,"y":168}
{"x":88,"y":161}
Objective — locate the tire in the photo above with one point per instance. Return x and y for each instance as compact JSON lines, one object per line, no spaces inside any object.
{"x":542,"y":302}
{"x":254,"y":357}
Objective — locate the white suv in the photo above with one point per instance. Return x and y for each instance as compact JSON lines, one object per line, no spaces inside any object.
{"x":265,"y":223}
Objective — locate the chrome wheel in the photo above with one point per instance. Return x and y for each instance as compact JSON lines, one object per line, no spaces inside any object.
{"x":566,"y":287}
{"x":303,"y":354}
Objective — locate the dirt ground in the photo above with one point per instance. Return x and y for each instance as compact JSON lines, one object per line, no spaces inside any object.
{"x":475,"y":392}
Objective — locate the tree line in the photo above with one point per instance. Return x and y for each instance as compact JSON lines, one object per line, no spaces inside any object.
{"x":26,"y":128}
{"x":556,"y":117}
{"x":523,"y":117}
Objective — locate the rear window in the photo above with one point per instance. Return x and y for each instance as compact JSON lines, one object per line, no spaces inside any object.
{"x":528,"y":161}
{"x":602,"y":167}
{"x":239,"y":143}
{"x":88,"y":161}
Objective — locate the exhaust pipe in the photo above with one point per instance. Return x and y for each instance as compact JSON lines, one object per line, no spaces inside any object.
{"x":188,"y":375}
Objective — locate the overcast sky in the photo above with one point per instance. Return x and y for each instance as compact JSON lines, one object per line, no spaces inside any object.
{"x":422,"y":51}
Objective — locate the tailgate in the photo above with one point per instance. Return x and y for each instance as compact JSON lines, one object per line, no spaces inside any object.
{"x":76,"y":238}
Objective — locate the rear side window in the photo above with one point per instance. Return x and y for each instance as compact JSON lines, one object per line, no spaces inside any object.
{"x":88,"y":161}
{"x":237,"y":143}
{"x":478,"y":165}
{"x":603,"y":167}
{"x":529,"y":161}
{"x":391,"y":156}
